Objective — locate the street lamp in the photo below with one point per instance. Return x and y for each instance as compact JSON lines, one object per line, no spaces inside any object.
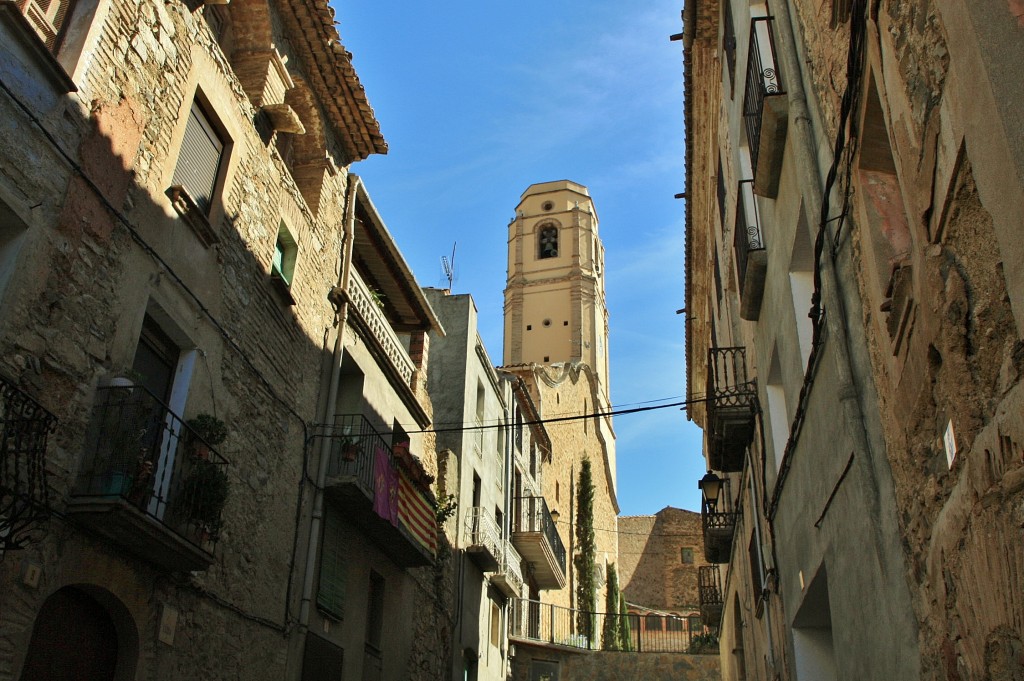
{"x":710,"y":485}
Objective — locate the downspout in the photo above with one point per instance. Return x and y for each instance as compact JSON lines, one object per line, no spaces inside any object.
{"x":332,"y":400}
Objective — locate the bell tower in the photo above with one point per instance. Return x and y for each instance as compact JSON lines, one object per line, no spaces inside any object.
{"x":555,"y":308}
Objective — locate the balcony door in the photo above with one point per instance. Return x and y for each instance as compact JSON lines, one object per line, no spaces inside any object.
{"x":165,"y":371}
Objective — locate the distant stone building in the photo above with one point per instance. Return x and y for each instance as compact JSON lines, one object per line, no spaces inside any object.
{"x":213,"y":356}
{"x":855,"y":312}
{"x":658,"y":559}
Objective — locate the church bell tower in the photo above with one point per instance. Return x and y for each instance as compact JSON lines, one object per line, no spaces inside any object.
{"x":555,"y":308}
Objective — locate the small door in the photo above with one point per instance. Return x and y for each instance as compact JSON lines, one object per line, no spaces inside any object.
{"x":74,"y":639}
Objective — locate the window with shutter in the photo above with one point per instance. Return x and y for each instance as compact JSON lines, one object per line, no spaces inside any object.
{"x":330,"y":597}
{"x":199,"y":159}
{"x":48,"y":18}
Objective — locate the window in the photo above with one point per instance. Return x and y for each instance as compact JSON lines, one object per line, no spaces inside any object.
{"x":199,"y":159}
{"x":549,"y":242}
{"x":375,"y":611}
{"x":285,"y":251}
{"x":330,"y":597}
{"x":778,"y":416}
{"x":729,"y":44}
{"x":686,"y":555}
{"x":12,"y":237}
{"x":49,"y":18}
{"x":321,"y":660}
{"x":495,"y":625}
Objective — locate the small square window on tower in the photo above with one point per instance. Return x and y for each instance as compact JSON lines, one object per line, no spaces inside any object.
{"x":687,"y":555}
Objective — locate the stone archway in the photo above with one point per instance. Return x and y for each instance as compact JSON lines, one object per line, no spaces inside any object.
{"x":76,"y":637}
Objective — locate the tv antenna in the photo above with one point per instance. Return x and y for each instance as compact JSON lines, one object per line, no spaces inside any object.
{"x":449,"y":266}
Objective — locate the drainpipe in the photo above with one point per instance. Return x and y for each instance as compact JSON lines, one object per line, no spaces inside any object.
{"x":332,"y":401}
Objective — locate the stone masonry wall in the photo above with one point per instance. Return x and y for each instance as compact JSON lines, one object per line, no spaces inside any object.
{"x":651,"y":568}
{"x":571,"y":665}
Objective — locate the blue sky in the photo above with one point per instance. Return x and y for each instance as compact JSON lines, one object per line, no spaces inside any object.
{"x":479,"y":100}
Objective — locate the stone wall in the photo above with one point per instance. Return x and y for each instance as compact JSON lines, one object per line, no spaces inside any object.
{"x":651,"y":568}
{"x":98,"y":246}
{"x":571,"y":665}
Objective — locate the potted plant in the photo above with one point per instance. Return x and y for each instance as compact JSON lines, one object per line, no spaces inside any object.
{"x":349,"y":445}
{"x":204,"y":493}
{"x":208,"y":431}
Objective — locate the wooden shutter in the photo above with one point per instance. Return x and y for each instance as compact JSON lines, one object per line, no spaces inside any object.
{"x":330,"y":597}
{"x":47,"y":18}
{"x":199,"y":158}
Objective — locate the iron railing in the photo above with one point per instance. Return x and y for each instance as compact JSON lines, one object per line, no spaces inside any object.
{"x":140,"y":452}
{"x":355,"y":444}
{"x":719,"y":526}
{"x":748,"y":236}
{"x":628,"y":632}
{"x":482,"y":530}
{"x":532,"y":515}
{"x":24,"y":491}
{"x":709,"y":591}
{"x":729,"y":385}
{"x":512,"y":567}
{"x":763,"y":80}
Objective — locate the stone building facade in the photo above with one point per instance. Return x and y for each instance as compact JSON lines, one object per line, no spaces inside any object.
{"x":180,"y":236}
{"x":858,"y":161}
{"x":659,"y":556}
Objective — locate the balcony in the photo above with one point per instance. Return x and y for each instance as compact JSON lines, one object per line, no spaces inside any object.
{"x":536,"y":538}
{"x":709,"y":590}
{"x":379,"y":493}
{"x":149,"y":483}
{"x":765,"y":108}
{"x":751,"y":255}
{"x":508,"y":578}
{"x":719,"y":527}
{"x":372,"y":317}
{"x":483,"y":539}
{"x":732,"y":409}
{"x":24,"y":493}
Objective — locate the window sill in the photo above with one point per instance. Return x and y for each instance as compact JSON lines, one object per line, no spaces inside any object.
{"x":282,"y":287}
{"x":192,"y":215}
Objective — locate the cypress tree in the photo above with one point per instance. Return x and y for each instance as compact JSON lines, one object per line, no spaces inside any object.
{"x":626,"y":630}
{"x":611,"y":634}
{"x":586,"y":545}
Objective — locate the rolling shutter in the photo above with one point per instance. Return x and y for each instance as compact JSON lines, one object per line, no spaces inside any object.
{"x":330,"y":597}
{"x":199,"y":158}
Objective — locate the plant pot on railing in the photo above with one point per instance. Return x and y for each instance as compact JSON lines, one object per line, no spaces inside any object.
{"x":203,"y":496}
{"x":206,"y":431}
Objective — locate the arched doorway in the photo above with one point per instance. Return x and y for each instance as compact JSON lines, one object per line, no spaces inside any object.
{"x":75,"y":638}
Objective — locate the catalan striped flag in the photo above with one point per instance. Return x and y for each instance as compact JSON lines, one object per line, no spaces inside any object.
{"x":417,"y":514}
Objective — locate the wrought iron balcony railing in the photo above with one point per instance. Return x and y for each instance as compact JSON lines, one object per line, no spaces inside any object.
{"x":751,"y":256}
{"x":709,"y":590}
{"x":719,"y":528}
{"x":509,"y":577}
{"x":143,"y":458}
{"x":649,"y":632}
{"x":763,"y":80}
{"x":732,"y":408}
{"x":536,"y":538}
{"x":373,"y":317}
{"x":483,"y":539}
{"x":380,"y":491}
{"x":24,"y":492}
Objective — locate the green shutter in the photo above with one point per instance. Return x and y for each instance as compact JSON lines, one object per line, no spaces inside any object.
{"x":330,"y":597}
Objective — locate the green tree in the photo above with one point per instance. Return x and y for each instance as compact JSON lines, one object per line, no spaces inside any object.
{"x":611,"y":635}
{"x":625,"y":630}
{"x":586,"y":546}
